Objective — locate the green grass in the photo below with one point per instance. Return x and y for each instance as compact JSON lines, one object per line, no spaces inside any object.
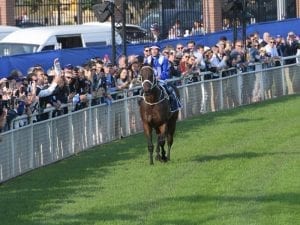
{"x":237,"y":167}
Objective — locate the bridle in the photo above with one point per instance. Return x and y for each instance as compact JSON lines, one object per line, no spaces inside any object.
{"x":163,"y":94}
{"x":152,"y":84}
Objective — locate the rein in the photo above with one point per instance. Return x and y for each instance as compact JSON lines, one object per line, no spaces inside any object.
{"x":163,"y":95}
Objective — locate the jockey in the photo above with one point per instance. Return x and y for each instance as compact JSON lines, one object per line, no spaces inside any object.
{"x":158,"y":62}
{"x":160,"y":65}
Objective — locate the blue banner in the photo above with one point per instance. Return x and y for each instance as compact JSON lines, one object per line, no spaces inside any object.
{"x":79,"y":56}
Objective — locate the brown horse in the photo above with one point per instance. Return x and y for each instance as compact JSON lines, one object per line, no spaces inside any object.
{"x":156,"y":114}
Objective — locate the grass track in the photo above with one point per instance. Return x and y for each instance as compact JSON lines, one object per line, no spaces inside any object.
{"x":237,"y":167}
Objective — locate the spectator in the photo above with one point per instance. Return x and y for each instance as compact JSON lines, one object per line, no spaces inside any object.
{"x":257,"y":37}
{"x":197,"y":28}
{"x":43,"y":91}
{"x":179,"y":49}
{"x":109,"y":83}
{"x":173,"y":64}
{"x":280,"y":45}
{"x":191,"y":47}
{"x":83,"y":87}
{"x":3,"y":114}
{"x":264,"y":57}
{"x":290,"y":47}
{"x":238,"y":56}
{"x":146,"y":53}
{"x":133,"y":73}
{"x":183,"y":64}
{"x":271,"y":50}
{"x":155,"y":32}
{"x":123,"y":81}
{"x":200,"y":57}
{"x":60,"y":95}
{"x":192,"y":68}
{"x":177,"y":28}
{"x":22,"y":19}
{"x":266,"y":39}
{"x":218,"y":62}
{"x":122,"y":62}
{"x":254,"y":55}
{"x":172,"y":33}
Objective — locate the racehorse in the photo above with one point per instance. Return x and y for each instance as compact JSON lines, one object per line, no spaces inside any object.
{"x":156,"y":114}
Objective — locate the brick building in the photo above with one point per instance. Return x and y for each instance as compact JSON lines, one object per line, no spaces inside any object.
{"x":212,"y":13}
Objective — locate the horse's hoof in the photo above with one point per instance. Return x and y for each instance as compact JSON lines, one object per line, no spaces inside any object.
{"x":164,"y":159}
{"x":158,"y":158}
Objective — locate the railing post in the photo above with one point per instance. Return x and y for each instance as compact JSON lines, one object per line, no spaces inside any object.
{"x":31,"y":155}
{"x":221,"y":95}
{"x":239,"y":86}
{"x":262,"y":89}
{"x":126,"y":111}
{"x":12,"y":154}
{"x":108,"y":122}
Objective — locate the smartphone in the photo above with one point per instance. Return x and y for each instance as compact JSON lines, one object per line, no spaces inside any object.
{"x":57,"y":67}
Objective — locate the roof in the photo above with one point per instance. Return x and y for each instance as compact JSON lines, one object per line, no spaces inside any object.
{"x":4,"y":28}
{"x":39,"y":35}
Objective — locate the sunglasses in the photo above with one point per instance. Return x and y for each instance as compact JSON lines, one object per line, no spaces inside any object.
{"x":179,"y":47}
{"x":146,"y":50}
{"x":239,"y":45}
{"x":272,"y":42}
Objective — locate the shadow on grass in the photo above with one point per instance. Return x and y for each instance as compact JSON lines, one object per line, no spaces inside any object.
{"x":208,"y":119}
{"x":140,"y":210}
{"x":54,"y":185}
{"x":242,"y":155}
{"x":288,"y":198}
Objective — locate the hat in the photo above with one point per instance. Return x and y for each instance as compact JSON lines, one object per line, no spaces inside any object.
{"x":15,"y":75}
{"x":69,"y":66}
{"x":291,"y":33}
{"x":154,"y":26}
{"x":206,"y":48}
{"x":278,"y":36}
{"x":155,"y":46}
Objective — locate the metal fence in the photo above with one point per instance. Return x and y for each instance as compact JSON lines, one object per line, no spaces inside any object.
{"x":259,"y":11}
{"x":45,"y":142}
{"x":56,"y":12}
{"x":48,"y":12}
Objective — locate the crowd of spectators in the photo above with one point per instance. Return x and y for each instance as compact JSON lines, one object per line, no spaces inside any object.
{"x":98,"y":81}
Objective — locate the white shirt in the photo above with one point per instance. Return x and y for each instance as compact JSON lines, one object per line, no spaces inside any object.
{"x":271,"y":50}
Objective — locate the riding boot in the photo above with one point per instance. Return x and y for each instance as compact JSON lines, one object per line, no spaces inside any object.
{"x":174,"y":101}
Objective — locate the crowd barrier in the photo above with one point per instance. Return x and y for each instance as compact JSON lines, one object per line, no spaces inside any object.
{"x":45,"y":142}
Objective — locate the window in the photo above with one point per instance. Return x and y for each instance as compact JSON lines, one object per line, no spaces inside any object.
{"x":48,"y":47}
{"x":73,"y":41}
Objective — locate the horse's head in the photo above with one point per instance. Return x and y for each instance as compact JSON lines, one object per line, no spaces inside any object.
{"x":149,"y":80}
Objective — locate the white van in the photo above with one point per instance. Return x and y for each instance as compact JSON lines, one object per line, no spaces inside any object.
{"x":37,"y":39}
{"x":6,"y":30}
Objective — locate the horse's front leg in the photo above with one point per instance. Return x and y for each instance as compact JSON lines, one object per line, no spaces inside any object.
{"x":148,"y":134}
{"x":161,"y":142}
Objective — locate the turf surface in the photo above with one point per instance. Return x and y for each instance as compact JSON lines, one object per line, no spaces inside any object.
{"x":237,"y":167}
